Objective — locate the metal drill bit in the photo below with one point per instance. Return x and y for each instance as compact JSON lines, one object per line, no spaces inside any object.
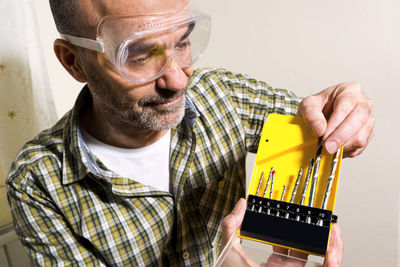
{"x":283,"y":192}
{"x":282,"y":196}
{"x":313,"y":185}
{"x":314,"y":182}
{"x":270,"y":178}
{"x":303,"y":195}
{"x":268,"y":181}
{"x":272,"y":184}
{"x":319,"y":147}
{"x":259,"y":183}
{"x":296,"y":186}
{"x":330,"y":179}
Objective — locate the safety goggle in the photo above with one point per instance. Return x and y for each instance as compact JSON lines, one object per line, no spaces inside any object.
{"x":141,"y":48}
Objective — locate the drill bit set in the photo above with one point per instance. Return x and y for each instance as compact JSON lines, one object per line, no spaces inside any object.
{"x":290,"y":207}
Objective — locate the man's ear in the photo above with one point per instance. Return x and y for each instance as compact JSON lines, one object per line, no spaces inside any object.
{"x":70,"y":59}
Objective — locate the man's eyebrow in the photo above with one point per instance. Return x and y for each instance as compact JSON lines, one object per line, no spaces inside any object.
{"x":139,"y":47}
{"x":188,"y":31}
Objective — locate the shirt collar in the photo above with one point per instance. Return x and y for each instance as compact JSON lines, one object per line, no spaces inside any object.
{"x":77,"y":155}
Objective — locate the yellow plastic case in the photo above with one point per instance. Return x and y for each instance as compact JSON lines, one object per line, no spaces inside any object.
{"x":287,"y":145}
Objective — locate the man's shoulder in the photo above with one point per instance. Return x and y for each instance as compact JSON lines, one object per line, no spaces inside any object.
{"x":206,"y":74}
{"x":227,"y":80}
{"x":46,"y":148}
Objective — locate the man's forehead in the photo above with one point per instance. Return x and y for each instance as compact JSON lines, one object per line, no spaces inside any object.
{"x":94,"y":10}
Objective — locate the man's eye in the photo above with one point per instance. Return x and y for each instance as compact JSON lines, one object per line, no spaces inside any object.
{"x":145,"y":56}
{"x":183,"y":45}
{"x":142,"y":60}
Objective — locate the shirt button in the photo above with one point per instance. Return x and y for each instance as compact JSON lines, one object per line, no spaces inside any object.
{"x":185,"y":255}
{"x":221,"y":184}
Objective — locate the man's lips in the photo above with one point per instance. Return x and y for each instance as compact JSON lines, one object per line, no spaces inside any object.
{"x":172,"y":101}
{"x":166,"y":104}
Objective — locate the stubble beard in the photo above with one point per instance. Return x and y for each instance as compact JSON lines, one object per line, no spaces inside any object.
{"x":151,"y":116}
{"x":148,"y":113}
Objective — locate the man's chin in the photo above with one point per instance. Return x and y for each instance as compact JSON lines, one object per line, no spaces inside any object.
{"x":164,"y":120}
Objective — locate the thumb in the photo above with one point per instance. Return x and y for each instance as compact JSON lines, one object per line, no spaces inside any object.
{"x":334,"y":254}
{"x":232,"y":221}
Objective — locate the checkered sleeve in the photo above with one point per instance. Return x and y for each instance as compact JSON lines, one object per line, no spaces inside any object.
{"x":254,"y":101}
{"x":41,"y":227}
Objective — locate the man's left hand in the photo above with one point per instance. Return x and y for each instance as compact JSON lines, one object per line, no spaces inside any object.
{"x":341,"y":114}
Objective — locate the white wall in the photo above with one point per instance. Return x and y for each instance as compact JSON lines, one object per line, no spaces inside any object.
{"x":307,"y":45}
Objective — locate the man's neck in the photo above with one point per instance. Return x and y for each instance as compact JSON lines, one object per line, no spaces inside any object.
{"x":115,"y":132}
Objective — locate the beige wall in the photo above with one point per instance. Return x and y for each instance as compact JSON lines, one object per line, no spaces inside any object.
{"x":306,"y":45}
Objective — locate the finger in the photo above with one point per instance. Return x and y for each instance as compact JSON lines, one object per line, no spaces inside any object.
{"x":345,"y":128}
{"x":293,"y":253}
{"x":358,"y":142}
{"x":282,"y":260}
{"x":298,"y":254}
{"x":311,"y":109}
{"x":344,"y":97}
{"x":233,"y":221}
{"x":334,"y":255}
{"x":280,"y":250}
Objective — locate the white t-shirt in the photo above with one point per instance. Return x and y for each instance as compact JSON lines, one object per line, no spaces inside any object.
{"x":148,"y":165}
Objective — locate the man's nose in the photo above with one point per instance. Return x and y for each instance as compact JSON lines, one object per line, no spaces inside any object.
{"x":175,"y":78}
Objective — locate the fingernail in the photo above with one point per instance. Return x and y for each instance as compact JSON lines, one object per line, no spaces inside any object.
{"x":331,"y":147}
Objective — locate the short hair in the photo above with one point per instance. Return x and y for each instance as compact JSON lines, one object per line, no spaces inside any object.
{"x":66,"y":16}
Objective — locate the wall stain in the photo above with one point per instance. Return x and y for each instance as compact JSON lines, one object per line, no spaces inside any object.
{"x":11,"y":114}
{"x":3,"y":67}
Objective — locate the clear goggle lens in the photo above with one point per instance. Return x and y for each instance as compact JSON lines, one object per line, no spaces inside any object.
{"x":147,"y":54}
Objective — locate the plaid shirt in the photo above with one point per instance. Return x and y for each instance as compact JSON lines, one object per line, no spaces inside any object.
{"x":69,"y":209}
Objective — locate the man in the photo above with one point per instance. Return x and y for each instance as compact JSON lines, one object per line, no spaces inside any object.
{"x":150,"y":160}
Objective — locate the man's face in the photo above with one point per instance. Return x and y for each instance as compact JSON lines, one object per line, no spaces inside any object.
{"x":157,"y":104}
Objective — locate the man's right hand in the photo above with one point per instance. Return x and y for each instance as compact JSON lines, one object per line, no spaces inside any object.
{"x":232,"y":222}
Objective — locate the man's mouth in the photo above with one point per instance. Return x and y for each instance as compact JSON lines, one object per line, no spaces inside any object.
{"x":170,"y":101}
{"x":165,"y":105}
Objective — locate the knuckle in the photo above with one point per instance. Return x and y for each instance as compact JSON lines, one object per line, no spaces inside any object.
{"x":309,"y":100}
{"x":346,"y":106}
{"x":355,"y":86}
{"x":352,"y":88}
{"x":226,"y":223}
{"x":363,"y":110}
{"x":306,"y":107}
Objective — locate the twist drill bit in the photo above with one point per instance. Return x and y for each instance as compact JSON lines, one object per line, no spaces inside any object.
{"x":259,"y":183}
{"x":282,"y":196}
{"x":314,"y":182}
{"x":330,"y":179}
{"x":268,"y":181}
{"x":329,"y":183}
{"x":307,"y":181}
{"x":283,"y":192}
{"x":272,"y":184}
{"x":296,"y":186}
{"x":303,"y":195}
{"x":313,"y":186}
{"x":272,"y":187}
{"x":319,"y":147}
